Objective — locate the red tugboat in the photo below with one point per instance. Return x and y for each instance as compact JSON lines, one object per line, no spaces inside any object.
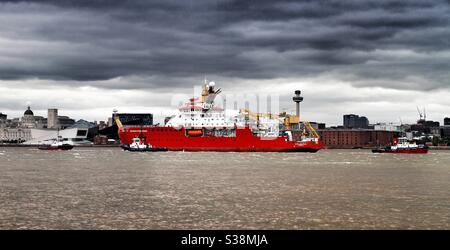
{"x":200,"y":126}
{"x":403,"y":146}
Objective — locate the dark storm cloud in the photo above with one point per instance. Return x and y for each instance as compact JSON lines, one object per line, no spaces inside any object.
{"x":164,"y":40}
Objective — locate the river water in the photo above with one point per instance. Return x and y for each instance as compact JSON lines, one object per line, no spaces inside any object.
{"x":107,"y":188}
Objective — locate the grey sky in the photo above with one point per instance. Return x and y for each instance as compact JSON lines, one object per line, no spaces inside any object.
{"x":376,"y":58}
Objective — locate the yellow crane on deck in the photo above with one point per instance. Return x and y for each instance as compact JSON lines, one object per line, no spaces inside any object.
{"x":288,"y":120}
{"x":118,"y":122}
{"x":311,"y":129}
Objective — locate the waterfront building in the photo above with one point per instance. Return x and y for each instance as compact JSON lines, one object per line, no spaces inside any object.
{"x":27,"y":120}
{"x":31,"y":129}
{"x":386,"y":127}
{"x":110,"y":121}
{"x":89,"y":127}
{"x":83,"y":124}
{"x":447,"y":121}
{"x":15,"y":135}
{"x":103,"y":125}
{"x":355,"y":121}
{"x":435,"y":131}
{"x":13,"y":123}
{"x":54,"y":121}
{"x":100,"y":140}
{"x":75,"y":136}
{"x":40,"y":122}
{"x":445,"y":132}
{"x":432,"y":124}
{"x":355,"y":138}
{"x":65,"y":122}
{"x":145,"y":119}
{"x":104,"y":140}
{"x":134,"y":118}
{"x":52,"y":118}
{"x":423,"y":127}
{"x":3,"y":120}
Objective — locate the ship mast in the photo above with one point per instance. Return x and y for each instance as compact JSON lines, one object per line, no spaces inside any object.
{"x":208,"y":95}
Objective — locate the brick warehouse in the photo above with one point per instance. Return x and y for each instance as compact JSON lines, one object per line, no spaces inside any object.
{"x":355,"y":138}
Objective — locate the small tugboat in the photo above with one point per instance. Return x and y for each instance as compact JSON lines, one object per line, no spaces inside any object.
{"x":56,"y":145}
{"x":403,"y":146}
{"x":139,"y":145}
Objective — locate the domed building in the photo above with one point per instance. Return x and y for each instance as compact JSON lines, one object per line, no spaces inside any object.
{"x":28,"y":120}
{"x":28,"y":112}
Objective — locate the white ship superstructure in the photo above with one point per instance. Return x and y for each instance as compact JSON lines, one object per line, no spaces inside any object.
{"x":202,"y":113}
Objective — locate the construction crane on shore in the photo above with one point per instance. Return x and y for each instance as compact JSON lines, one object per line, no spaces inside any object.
{"x":422,"y":114}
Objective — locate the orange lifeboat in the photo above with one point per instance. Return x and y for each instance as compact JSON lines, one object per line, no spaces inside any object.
{"x":195,"y":132}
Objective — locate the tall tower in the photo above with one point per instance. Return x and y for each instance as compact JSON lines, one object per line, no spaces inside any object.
{"x":52,"y":118}
{"x":297,"y":99}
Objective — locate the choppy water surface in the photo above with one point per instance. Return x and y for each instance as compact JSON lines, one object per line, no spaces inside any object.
{"x":106,"y":188}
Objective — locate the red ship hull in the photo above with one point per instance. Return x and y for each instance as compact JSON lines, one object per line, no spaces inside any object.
{"x":244,"y":141}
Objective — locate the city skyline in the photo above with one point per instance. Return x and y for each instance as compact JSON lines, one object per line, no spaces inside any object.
{"x":379,"y":59}
{"x":422,"y":115}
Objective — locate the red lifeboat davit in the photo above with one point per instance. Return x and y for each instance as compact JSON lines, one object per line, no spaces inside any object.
{"x":195,"y":132}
